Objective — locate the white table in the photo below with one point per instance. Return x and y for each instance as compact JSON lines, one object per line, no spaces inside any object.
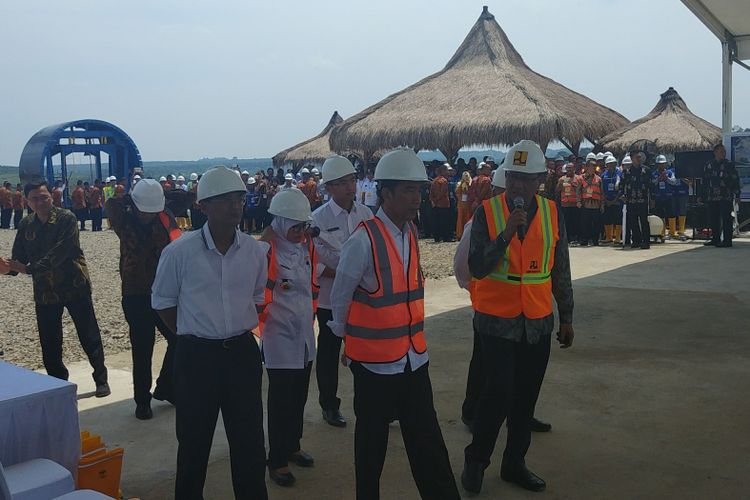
{"x":38,"y":418}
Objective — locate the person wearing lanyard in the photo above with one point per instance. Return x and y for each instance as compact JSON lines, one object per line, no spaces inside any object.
{"x":518,"y":257}
{"x":612,"y":202}
{"x":286,"y":328}
{"x":370,"y":191}
{"x":663,"y":180}
{"x":337,"y":220}
{"x":207,"y":286}
{"x":378,"y":307}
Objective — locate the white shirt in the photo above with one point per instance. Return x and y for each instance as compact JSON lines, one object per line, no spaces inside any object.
{"x":356,"y":269}
{"x":370,"y":190}
{"x":461,"y":259}
{"x":288,"y":339}
{"x":336,"y":225}
{"x":215,"y":294}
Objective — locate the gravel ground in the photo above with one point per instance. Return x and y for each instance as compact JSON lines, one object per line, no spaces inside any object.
{"x":19,"y":336}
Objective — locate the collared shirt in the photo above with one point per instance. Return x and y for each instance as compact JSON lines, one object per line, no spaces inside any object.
{"x":480,"y":190}
{"x":336,"y":225}
{"x":356,"y":269}
{"x":288,"y":338}
{"x":484,"y":256}
{"x":663,"y":182}
{"x":636,"y":185}
{"x":6,"y":198}
{"x":95,"y":198}
{"x":370,"y":192}
{"x":439,"y":193}
{"x":53,"y":257}
{"x":720,"y":181}
{"x":461,"y":258}
{"x":310,"y":189}
{"x":215,"y":294}
{"x":18,"y":200}
{"x":611,"y":185}
{"x":79,"y":198}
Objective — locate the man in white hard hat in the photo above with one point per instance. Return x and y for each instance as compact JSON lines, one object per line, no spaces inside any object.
{"x":144,"y":222}
{"x":337,"y":220}
{"x":663,"y":185}
{"x":288,"y":182}
{"x":369,"y":190}
{"x":612,"y":201}
{"x":309,"y":187}
{"x":378,"y":307}
{"x":514,"y":333}
{"x":206,"y":290}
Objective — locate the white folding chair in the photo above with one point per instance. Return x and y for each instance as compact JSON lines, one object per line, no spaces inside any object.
{"x":38,"y":479}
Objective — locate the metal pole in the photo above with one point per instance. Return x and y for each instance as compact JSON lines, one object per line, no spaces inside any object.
{"x":726,"y":89}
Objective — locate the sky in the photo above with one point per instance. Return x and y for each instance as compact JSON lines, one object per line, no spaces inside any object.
{"x":188,"y":79}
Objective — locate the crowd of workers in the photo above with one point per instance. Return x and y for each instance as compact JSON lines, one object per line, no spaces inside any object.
{"x":341,"y":246}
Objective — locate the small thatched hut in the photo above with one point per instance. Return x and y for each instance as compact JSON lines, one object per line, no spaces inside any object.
{"x":314,"y":150}
{"x":485,"y":95}
{"x":670,"y":125}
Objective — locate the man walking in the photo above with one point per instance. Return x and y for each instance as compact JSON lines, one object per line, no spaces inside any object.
{"x":47,"y":248}
{"x":721,"y":185}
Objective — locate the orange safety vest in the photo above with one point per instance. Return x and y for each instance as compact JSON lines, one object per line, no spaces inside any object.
{"x":593,"y":190}
{"x":383,"y":325}
{"x":170,"y":225}
{"x":568,"y":193}
{"x":273,"y":270}
{"x":522,"y":281}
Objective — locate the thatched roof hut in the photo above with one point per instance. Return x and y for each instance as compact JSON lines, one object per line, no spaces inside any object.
{"x":485,"y":95}
{"x":670,"y":125}
{"x":314,"y":150}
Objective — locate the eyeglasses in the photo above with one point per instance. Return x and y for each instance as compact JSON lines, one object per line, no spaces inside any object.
{"x":301,"y":227}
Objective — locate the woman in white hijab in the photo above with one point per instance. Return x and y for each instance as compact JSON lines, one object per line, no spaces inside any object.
{"x":287,"y":336}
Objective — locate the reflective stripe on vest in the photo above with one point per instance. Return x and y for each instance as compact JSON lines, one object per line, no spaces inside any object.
{"x":271,"y":282}
{"x":522,"y":281}
{"x":383,"y":325}
{"x":568,"y":193}
{"x":170,"y":225}
{"x":591,"y":191}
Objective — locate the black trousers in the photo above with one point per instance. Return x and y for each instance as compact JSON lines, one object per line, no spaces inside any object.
{"x":17,"y":217}
{"x":213,"y":375}
{"x":591,"y":221}
{"x":260,"y":217}
{"x":474,"y":381}
{"x":443,"y":225}
{"x":613,"y":215}
{"x":143,"y":322}
{"x":637,"y":221}
{"x":663,"y":208}
{"x":287,"y":396}
{"x":327,"y":362}
{"x":513,"y":372}
{"x":49,"y":322}
{"x":96,"y":219}
{"x":720,"y":217}
{"x":5,"y":215}
{"x":571,"y":216}
{"x":409,"y":396}
{"x":82,"y":214}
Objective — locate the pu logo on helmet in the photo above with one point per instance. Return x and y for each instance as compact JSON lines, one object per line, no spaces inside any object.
{"x":519,"y":158}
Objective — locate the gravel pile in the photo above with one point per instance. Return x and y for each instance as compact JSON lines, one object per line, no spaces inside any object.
{"x":19,"y":338}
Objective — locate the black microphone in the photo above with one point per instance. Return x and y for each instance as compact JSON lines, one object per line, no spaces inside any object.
{"x":519,"y":203}
{"x":314,"y":231}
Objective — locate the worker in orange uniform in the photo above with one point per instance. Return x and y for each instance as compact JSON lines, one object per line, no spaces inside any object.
{"x":481,"y":187}
{"x":79,"y":204}
{"x":378,"y":307}
{"x":441,"y":205}
{"x":519,"y":260}
{"x":309,"y":188}
{"x":19,"y":203}
{"x":57,"y":194}
{"x":567,"y":195}
{"x":590,"y":203}
{"x":6,"y":205}
{"x":462,"y":200}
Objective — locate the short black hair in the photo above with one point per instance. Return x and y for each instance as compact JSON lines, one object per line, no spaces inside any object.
{"x":720,"y":145}
{"x":79,"y":183}
{"x":29,"y":187}
{"x":388,"y":184}
{"x":7,"y":184}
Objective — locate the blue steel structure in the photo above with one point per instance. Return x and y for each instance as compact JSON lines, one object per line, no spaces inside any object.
{"x":91,"y":137}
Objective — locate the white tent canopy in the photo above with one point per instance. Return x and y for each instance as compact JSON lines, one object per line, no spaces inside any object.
{"x":729,"y":20}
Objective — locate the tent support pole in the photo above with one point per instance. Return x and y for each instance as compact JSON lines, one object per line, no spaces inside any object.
{"x":726,"y":91}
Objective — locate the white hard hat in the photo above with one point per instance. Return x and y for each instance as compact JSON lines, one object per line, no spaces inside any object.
{"x":193,"y":176}
{"x":525,"y":157}
{"x":498,"y":179}
{"x":136,"y":176}
{"x":162,"y":179}
{"x":627,"y":161}
{"x":610,"y":159}
{"x":315,"y":171}
{"x":304,"y":171}
{"x":292,"y":204}
{"x":599,"y":156}
{"x":608,"y":153}
{"x":491,"y":159}
{"x":180,"y":178}
{"x":336,"y":167}
{"x":219,"y":180}
{"x":661,"y":159}
{"x":251,"y":181}
{"x":590,"y":156}
{"x":148,"y":196}
{"x":482,"y":164}
{"x":401,"y":164}
{"x":288,"y":177}
{"x":245,"y":172}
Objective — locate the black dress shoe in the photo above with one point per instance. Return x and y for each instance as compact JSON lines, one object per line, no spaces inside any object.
{"x":285,"y":479}
{"x":645,"y":246}
{"x":709,"y":243}
{"x":102,"y":390}
{"x":539,"y":426}
{"x":334,"y":418}
{"x":724,"y":245}
{"x":302,"y":459}
{"x":143,"y":412}
{"x":523,"y":477}
{"x":472,"y":477}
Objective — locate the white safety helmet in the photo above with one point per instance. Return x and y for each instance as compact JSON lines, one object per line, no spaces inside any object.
{"x":288,"y":177}
{"x":251,"y":180}
{"x":610,"y":159}
{"x":525,"y":157}
{"x":291,"y":204}
{"x":600,"y":156}
{"x":661,"y":159}
{"x":401,"y":164}
{"x":162,"y":179}
{"x":336,"y":167}
{"x":608,"y":153}
{"x":627,"y":161}
{"x":181,"y":178}
{"x":498,"y":178}
{"x":219,"y":180}
{"x":245,"y":172}
{"x":314,"y":171}
{"x":148,"y":196}
{"x":591,"y":156}
{"x":136,"y":177}
{"x":304,"y":171}
{"x":490,"y":159}
{"x":193,"y":176}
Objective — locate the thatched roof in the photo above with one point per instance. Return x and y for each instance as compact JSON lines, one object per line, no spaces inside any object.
{"x":314,"y":150}
{"x":485,"y":95}
{"x":670,"y":125}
